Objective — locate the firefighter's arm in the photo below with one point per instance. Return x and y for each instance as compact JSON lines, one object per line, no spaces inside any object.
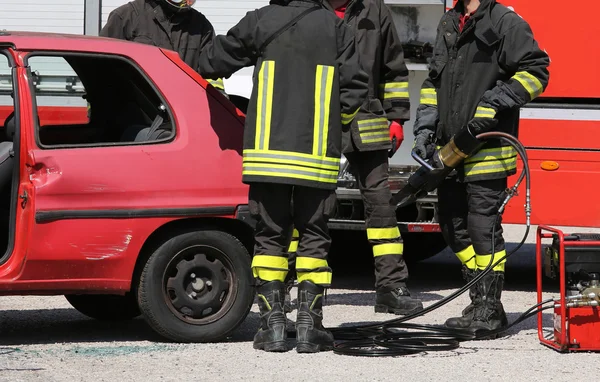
{"x":116,"y":27}
{"x":208,"y":35}
{"x":521,"y":56}
{"x":426,"y":120}
{"x":394,"y":73}
{"x":354,"y":82}
{"x":226,"y":54}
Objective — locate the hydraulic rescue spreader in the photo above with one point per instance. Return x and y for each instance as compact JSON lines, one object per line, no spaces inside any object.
{"x":577,"y":319}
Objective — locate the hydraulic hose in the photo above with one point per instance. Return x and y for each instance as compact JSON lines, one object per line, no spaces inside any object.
{"x":388,"y":339}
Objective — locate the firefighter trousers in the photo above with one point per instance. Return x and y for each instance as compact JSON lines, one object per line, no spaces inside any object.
{"x":467,"y":212}
{"x":371,"y":171}
{"x":270,"y":205}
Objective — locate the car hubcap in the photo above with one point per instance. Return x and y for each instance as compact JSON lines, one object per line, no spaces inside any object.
{"x":199,"y":284}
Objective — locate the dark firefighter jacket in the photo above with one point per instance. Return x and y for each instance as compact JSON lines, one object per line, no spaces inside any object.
{"x":146,"y":22}
{"x":307,"y":85}
{"x":382,"y":58}
{"x":490,"y":69}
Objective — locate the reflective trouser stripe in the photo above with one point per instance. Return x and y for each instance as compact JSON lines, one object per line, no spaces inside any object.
{"x":485,"y":112}
{"x":383,"y":233}
{"x":484,"y":260}
{"x":270,"y":268}
{"x":347,"y":118}
{"x":314,"y":270}
{"x":323,"y":88}
{"x":428,"y":97}
{"x":374,"y":130}
{"x":218,"y":83}
{"x":467,"y":257}
{"x":395,"y":90}
{"x":532,"y":85}
{"x":294,"y":243}
{"x":388,"y":249}
{"x":264,"y":105}
{"x":319,"y":278}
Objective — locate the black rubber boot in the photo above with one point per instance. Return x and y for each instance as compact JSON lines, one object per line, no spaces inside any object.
{"x":272,"y":334}
{"x":467,"y":313}
{"x":310,"y":334}
{"x":397,"y":301}
{"x":489,"y":315}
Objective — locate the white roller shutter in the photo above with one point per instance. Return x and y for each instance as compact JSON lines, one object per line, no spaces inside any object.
{"x":57,"y":16}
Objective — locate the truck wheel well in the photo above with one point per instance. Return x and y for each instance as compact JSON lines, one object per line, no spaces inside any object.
{"x":242,"y":231}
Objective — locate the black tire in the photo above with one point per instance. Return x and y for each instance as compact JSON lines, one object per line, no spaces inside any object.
{"x":197,"y":287}
{"x":105,"y":307}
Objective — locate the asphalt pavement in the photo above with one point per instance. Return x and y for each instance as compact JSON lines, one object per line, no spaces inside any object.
{"x":44,"y":339}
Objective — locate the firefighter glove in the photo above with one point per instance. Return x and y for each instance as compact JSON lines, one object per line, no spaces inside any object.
{"x":484,"y":120}
{"x":424,"y":146}
{"x":396,"y":136}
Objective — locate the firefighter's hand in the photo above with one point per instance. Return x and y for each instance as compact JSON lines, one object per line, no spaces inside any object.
{"x":484,"y":120}
{"x":482,"y":125}
{"x":423,"y":145}
{"x":396,"y":136}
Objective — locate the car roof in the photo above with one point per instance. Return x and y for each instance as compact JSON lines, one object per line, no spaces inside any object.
{"x":45,"y":41}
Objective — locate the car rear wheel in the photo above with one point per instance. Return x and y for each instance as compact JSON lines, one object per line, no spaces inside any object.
{"x":105,"y":307}
{"x":197,"y":287}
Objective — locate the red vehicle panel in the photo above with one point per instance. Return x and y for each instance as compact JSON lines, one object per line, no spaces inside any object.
{"x":155,"y":223}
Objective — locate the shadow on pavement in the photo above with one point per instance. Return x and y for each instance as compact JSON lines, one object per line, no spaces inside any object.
{"x":49,"y":326}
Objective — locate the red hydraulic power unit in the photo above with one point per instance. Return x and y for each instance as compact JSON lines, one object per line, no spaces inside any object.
{"x":574,"y":260}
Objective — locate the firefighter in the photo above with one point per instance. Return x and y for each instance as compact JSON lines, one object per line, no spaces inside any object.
{"x":168,"y":24}
{"x":307,"y":86}
{"x":486,"y":65}
{"x":375,"y":136}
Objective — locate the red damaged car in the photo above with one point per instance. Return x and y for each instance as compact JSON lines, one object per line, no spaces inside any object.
{"x":120,"y":174}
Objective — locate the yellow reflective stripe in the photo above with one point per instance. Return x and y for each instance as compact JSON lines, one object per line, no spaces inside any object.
{"x":530,"y":83}
{"x":368,"y":124}
{"x":484,"y":260}
{"x":395,"y":90}
{"x":323,"y":87}
{"x":347,"y":118}
{"x":310,"y":263}
{"x":292,"y":155}
{"x":467,"y":257}
{"x":293,"y":246}
{"x":272,"y":262}
{"x":374,"y":130}
{"x":269,"y":275}
{"x":491,"y":167}
{"x":496,"y":153}
{"x":295,"y":234}
{"x":298,"y":159}
{"x":218,"y":83}
{"x":262,"y":297}
{"x":485,"y":112}
{"x":287,"y":171}
{"x":388,"y":249}
{"x":264,"y":104}
{"x":319,"y":278}
{"x":428,"y":97}
{"x":383,"y":233}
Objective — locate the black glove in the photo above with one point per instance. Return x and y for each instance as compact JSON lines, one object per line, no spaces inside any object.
{"x":482,"y":125}
{"x":484,"y":120}
{"x":423,"y":146}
